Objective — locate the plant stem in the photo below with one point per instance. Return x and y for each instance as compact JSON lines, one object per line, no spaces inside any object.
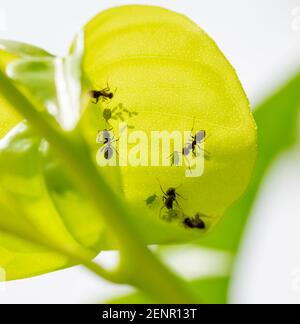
{"x":144,"y":270}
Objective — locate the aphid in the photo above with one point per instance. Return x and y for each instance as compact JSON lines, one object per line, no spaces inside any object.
{"x":104,"y":137}
{"x":196,"y":222}
{"x":104,"y":94}
{"x":150,"y":200}
{"x":107,"y":115}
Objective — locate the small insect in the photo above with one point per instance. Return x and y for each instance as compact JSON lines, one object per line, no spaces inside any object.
{"x":195,"y":142}
{"x":108,"y":115}
{"x":191,"y":146}
{"x":169,"y":198}
{"x":105,"y":138}
{"x":150,"y":200}
{"x":196,"y":222}
{"x":104,"y":94}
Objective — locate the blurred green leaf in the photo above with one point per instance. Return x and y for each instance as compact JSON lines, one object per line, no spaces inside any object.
{"x":208,"y":290}
{"x":74,"y":153}
{"x":27,"y":166}
{"x":22,"y":49}
{"x":54,"y":81}
{"x":31,"y":176}
{"x":277,"y":120}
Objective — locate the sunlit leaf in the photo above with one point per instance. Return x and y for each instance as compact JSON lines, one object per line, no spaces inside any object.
{"x":30,"y":173}
{"x":20,"y":49}
{"x":54,"y":81}
{"x":168,"y":75}
{"x":8,"y":116}
{"x":164,"y":68}
{"x":24,"y":161}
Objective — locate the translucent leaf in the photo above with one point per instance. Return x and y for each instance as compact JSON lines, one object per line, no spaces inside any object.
{"x":208,"y":290}
{"x":27,"y":165}
{"x":11,"y":51}
{"x":20,"y":49}
{"x":54,"y":81}
{"x":175,"y":84}
{"x":23,"y":253}
{"x":168,"y":71}
{"x":8,"y":116}
{"x":35,"y":181}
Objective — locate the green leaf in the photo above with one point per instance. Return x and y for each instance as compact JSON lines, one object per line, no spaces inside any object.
{"x":208,"y":290}
{"x":277,"y":120}
{"x":54,"y":81}
{"x":20,"y":49}
{"x":147,"y":84}
{"x":169,"y":71}
{"x":23,"y":166}
{"x":32,"y":178}
{"x":74,"y":153}
{"x":8,"y":116}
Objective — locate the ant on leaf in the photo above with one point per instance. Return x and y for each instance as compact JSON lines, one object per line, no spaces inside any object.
{"x":105,"y":138}
{"x":104,"y":94}
{"x":195,"y":222}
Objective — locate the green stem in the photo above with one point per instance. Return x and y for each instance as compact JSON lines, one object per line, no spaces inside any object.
{"x":144,"y":270}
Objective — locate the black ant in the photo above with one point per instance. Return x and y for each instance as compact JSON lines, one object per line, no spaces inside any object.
{"x":191,"y":146}
{"x":104,"y":137}
{"x":196,"y":222}
{"x":196,"y":140}
{"x":169,"y":198}
{"x":105,"y":94}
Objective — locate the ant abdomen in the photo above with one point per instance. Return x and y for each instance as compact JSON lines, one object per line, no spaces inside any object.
{"x":195,"y":222}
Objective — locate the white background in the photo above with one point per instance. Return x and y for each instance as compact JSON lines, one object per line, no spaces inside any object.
{"x":262,"y":40}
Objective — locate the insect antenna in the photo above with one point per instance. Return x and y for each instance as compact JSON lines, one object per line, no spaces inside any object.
{"x":161,"y":188}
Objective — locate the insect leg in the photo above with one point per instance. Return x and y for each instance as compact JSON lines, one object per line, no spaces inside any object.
{"x":104,"y":148}
{"x":163,"y":191}
{"x":180,"y":196}
{"x":206,"y":153}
